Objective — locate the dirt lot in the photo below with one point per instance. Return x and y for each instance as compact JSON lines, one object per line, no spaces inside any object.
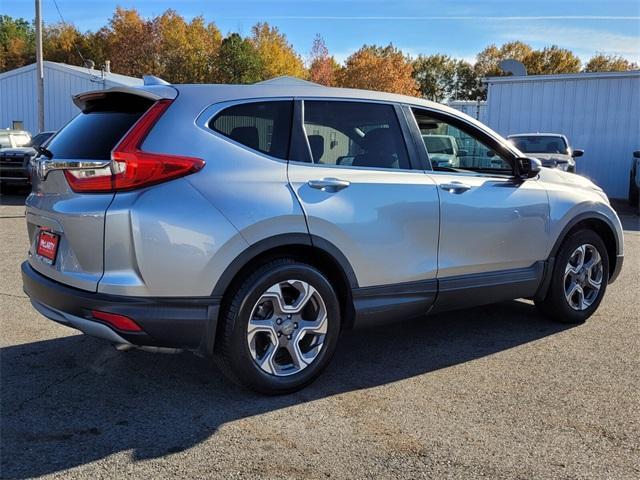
{"x":497,"y":391}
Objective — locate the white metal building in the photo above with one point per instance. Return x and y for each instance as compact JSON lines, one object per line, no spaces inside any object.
{"x":598,"y":112}
{"x":18,"y":103}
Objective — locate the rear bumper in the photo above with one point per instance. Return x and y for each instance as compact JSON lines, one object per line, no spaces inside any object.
{"x":176,"y":322}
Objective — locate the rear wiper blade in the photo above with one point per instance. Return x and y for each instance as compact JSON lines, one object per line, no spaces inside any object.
{"x":43,"y":151}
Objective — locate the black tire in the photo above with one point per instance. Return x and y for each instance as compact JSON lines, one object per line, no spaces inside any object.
{"x":634,"y":193}
{"x":232,"y":354}
{"x":555,"y":304}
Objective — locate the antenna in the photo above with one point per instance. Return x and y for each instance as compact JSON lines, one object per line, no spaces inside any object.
{"x":514,"y":67}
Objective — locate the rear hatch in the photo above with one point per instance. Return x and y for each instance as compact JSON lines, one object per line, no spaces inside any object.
{"x":75,"y":182}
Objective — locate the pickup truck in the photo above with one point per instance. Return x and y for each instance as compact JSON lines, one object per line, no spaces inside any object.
{"x":17,"y":150}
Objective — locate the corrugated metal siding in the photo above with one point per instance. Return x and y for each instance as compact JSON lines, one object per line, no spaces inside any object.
{"x":598,"y":114}
{"x":15,"y":104}
{"x":18,"y":95}
{"x":477,"y":110}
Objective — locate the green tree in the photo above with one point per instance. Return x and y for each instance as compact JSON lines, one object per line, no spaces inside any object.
{"x":435,"y":75}
{"x":385,"y":69}
{"x":466,"y":85}
{"x":17,"y":43}
{"x":609,"y":63}
{"x":95,"y":47}
{"x":441,"y":78}
{"x":238,"y":61}
{"x":488,"y":59}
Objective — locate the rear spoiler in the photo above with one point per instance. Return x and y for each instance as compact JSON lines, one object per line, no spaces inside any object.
{"x":152,"y":92}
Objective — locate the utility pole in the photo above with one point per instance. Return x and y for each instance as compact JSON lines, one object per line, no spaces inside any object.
{"x":39,"y":67}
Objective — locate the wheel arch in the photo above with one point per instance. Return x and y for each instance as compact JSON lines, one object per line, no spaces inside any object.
{"x":311,"y":249}
{"x":600,"y":224}
{"x":596,"y":222}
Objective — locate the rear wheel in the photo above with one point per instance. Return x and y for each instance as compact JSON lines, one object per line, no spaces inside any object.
{"x":280,"y":328}
{"x":579,"y":278}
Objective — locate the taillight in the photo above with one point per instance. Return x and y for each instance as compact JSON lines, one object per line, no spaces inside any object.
{"x":119,"y":322}
{"x":132,"y":167}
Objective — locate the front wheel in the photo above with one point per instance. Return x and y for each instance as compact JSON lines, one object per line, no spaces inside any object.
{"x":579,"y":278}
{"x":280,"y":328}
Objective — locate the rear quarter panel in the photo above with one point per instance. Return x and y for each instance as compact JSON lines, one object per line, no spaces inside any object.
{"x":176,"y":239}
{"x":166,"y":241}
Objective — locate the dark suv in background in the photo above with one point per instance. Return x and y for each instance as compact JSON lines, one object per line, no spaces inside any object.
{"x":16,"y":156}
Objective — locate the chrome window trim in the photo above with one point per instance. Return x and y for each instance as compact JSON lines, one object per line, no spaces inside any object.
{"x":210,"y":111}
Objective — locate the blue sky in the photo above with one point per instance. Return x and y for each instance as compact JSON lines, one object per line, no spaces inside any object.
{"x":460,"y":28}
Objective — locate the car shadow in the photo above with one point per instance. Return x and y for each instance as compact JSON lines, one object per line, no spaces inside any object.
{"x":74,"y":400}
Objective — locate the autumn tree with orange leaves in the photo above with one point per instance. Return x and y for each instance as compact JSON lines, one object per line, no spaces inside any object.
{"x":323,"y":69}
{"x":379,"y":68}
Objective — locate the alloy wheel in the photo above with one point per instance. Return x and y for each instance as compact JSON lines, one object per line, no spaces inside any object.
{"x":583,"y":277}
{"x":287,"y":328}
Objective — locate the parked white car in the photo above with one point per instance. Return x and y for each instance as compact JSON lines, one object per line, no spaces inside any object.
{"x":552,"y":149}
{"x":443,"y":150}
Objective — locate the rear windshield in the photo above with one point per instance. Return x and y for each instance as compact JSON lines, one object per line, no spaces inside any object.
{"x":93,"y":134}
{"x":540,"y":144}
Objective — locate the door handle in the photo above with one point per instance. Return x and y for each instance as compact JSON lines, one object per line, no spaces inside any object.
{"x":329,"y":184}
{"x":455,"y":187}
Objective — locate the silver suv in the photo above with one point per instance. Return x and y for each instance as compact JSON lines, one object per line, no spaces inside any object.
{"x":253,"y":223}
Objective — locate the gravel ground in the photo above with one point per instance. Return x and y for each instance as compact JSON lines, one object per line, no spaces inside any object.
{"x":497,"y":391}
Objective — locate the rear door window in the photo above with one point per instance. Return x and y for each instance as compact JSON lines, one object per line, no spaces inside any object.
{"x":262,"y":126}
{"x":354,"y":134}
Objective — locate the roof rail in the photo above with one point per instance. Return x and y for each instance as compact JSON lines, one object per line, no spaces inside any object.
{"x":153,"y":80}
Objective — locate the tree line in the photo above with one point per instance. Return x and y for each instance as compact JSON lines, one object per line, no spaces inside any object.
{"x":195,"y":51}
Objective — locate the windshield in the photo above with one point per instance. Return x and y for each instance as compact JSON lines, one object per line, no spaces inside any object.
{"x":540,"y":144}
{"x":5,"y":140}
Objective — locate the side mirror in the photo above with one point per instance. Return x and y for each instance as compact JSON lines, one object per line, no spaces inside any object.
{"x":636,"y":154}
{"x":491,"y":153}
{"x":462,"y":153}
{"x":577,"y":153}
{"x":528,"y":167}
